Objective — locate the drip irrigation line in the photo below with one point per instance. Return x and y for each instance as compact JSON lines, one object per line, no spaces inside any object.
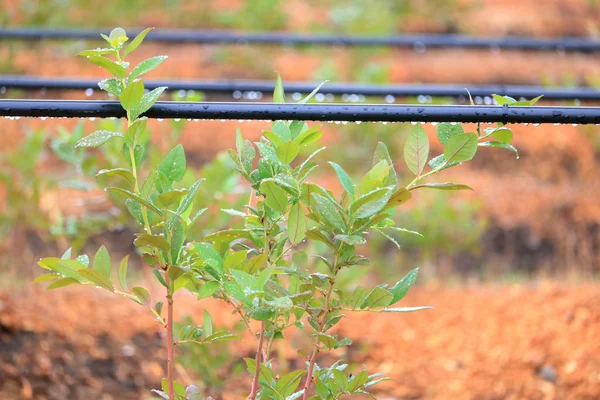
{"x":419,"y":42}
{"x":399,"y":90}
{"x":307,"y":112}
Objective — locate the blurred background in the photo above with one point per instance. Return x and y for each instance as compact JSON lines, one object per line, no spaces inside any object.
{"x":511,"y":268}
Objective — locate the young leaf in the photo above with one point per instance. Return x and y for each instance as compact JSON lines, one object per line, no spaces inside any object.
{"x":400,"y":289}
{"x":143,"y":295}
{"x":135,"y":197}
{"x":135,"y":43}
{"x":278,"y":94}
{"x":416,"y":150}
{"x":102,"y":262}
{"x":382,"y":153}
{"x":311,"y":94}
{"x":296,"y":224}
{"x":117,"y":70}
{"x":132,"y":95}
{"x":173,"y":165}
{"x":62,"y":283}
{"x":344,"y":179}
{"x":371,"y":203}
{"x":446,"y":130}
{"x":208,"y":324}
{"x":122,"y":172}
{"x":287,"y":152}
{"x":113,"y":86}
{"x":123,"y":273}
{"x":442,"y":186}
{"x":500,"y":145}
{"x":461,"y":147}
{"x":327,"y":209}
{"x":275,"y":197}
{"x":208,"y":289}
{"x":147,"y":102}
{"x":145,"y":66}
{"x":154,"y":241}
{"x":97,"y":138}
{"x":97,"y":278}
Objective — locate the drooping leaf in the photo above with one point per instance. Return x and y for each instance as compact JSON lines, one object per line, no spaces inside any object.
{"x":416,"y":150}
{"x":406,"y":309}
{"x":62,"y":283}
{"x":117,"y":70}
{"x":378,"y":297}
{"x":154,"y":241}
{"x":442,"y":186}
{"x":122,"y":172}
{"x":351,"y":240}
{"x":399,"y":197}
{"x":500,"y":145}
{"x":123,"y":273}
{"x":97,"y":278}
{"x":135,"y":197}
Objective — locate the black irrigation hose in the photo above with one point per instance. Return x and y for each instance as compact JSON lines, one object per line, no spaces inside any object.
{"x":419,"y":42}
{"x":403,"y":90}
{"x":308,"y":112}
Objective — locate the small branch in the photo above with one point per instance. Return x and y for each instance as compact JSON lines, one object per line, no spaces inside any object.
{"x":313,"y":357}
{"x":255,"y":385}
{"x":169,"y":339}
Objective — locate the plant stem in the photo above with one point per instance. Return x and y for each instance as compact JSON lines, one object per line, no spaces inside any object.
{"x":169,"y":338}
{"x":255,"y":386}
{"x":313,"y":357}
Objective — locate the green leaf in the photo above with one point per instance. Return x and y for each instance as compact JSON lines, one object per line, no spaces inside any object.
{"x":358,"y":381}
{"x":311,"y":94}
{"x":371,"y":203}
{"x":153,"y":241}
{"x":288,"y":383}
{"x":382,"y":154}
{"x":193,"y":392}
{"x":328,"y":210}
{"x":438,"y":161}
{"x":308,"y":136}
{"x":145,"y":66}
{"x":123,"y":273}
{"x":177,"y":240}
{"x":208,"y":289}
{"x":208,"y":324}
{"x":399,"y":197}
{"x":62,"y":283}
{"x":287,"y":152}
{"x":378,"y":297}
{"x":442,"y":186}
{"x":135,"y":43}
{"x":461,"y":147}
{"x":113,"y":86}
{"x":446,"y":130}
{"x":233,"y":260}
{"x":97,"y":138}
{"x":416,"y":150}
{"x":135,"y":130}
{"x":117,"y":37}
{"x":97,"y":278}
{"x":275,"y":197}
{"x":109,"y":65}
{"x":406,"y":309}
{"x":122,"y":172}
{"x":187,"y":202}
{"x":171,"y":197}
{"x":344,"y":179}
{"x":102,"y":262}
{"x":235,"y":291}
{"x":245,"y":280}
{"x":315,"y":234}
{"x":147,"y":102}
{"x":132,"y":95}
{"x":173,"y":165}
{"x":278,"y":93}
{"x":135,"y":197}
{"x":296,"y":224}
{"x":351,"y":240}
{"x":46,"y":277}
{"x":96,"y":52}
{"x":500,"y":145}
{"x":502,"y":100}
{"x":400,"y":289}
{"x":503,"y":135}
{"x":143,"y":295}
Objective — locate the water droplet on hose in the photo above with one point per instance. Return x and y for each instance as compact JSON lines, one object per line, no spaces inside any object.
{"x":390,"y":99}
{"x":297,"y":96}
{"x":237,"y":95}
{"x":89,"y":92}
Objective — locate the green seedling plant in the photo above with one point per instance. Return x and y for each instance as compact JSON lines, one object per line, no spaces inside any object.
{"x":260,"y":268}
